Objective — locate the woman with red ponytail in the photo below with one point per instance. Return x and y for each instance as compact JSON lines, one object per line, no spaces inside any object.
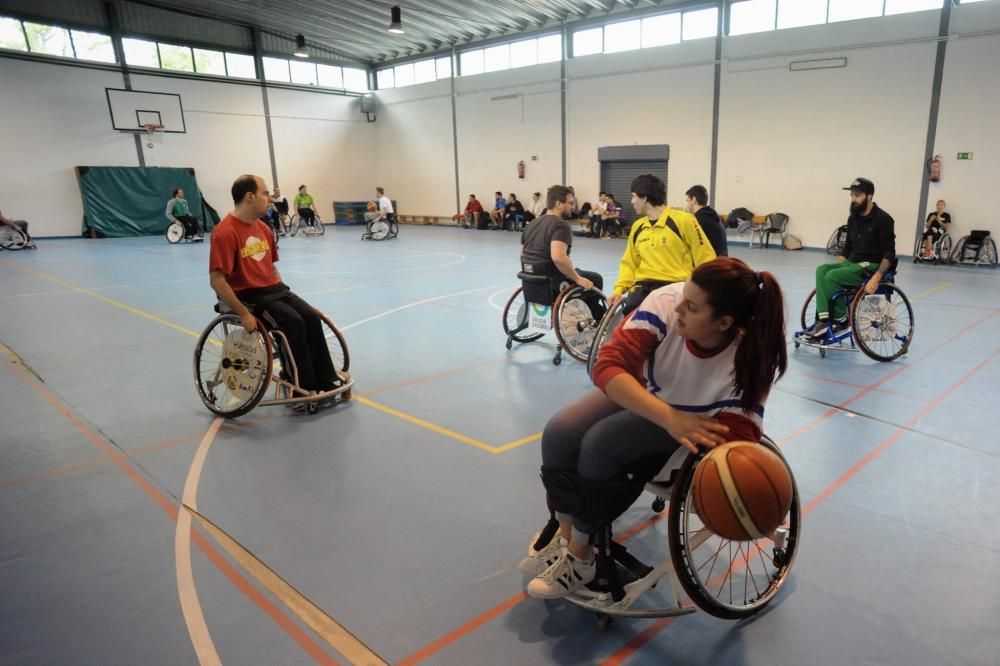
{"x":692,"y":366}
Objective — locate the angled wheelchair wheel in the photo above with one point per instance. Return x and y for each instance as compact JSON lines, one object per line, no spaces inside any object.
{"x":609,"y":323}
{"x":12,"y":239}
{"x":336,"y":343}
{"x":319,"y":227}
{"x":515,"y":319}
{"x":232,"y":367}
{"x":379,"y":230}
{"x":175,"y":233}
{"x":293,"y":226}
{"x":575,"y":322}
{"x":943,"y":250}
{"x":989,"y":253}
{"x":808,"y":316}
{"x":918,"y":249}
{"x":834,"y":246}
{"x":725,"y":578}
{"x":882,"y":323}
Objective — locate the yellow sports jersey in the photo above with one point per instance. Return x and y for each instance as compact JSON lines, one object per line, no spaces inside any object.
{"x":667,"y":251}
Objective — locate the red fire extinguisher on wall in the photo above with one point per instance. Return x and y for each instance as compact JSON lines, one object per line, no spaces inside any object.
{"x":934,"y":169}
{"x":520,"y":169}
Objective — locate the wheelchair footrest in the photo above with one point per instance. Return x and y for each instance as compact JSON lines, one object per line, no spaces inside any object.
{"x":629,"y":569}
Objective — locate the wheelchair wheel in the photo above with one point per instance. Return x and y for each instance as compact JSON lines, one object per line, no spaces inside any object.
{"x":943,"y":254}
{"x":728,"y":579}
{"x":989,"y":253}
{"x":379,"y":230}
{"x":515,"y":319}
{"x":293,"y":226}
{"x":574,"y":321}
{"x":232,"y":367}
{"x":175,"y":233}
{"x":918,"y":249}
{"x":337,"y":345}
{"x":12,"y":239}
{"x":834,"y":246}
{"x":319,"y":227}
{"x":609,"y":323}
{"x":882,"y":323}
{"x":808,"y":316}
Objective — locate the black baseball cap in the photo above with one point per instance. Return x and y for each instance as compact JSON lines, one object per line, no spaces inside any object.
{"x":862,"y":185}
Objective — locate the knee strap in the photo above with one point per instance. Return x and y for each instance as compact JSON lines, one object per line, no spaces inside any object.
{"x":597,"y":503}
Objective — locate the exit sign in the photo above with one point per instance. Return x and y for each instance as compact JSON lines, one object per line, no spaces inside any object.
{"x":965,"y":156}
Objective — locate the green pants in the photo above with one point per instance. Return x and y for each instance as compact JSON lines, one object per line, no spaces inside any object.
{"x":831,"y":278}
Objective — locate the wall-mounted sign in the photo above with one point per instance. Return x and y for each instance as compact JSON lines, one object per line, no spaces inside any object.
{"x":965,"y":156}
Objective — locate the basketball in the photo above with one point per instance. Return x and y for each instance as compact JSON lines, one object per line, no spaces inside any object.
{"x":742,"y":491}
{"x":372,"y":207}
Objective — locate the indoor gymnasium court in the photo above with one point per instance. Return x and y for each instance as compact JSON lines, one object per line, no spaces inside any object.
{"x":174,"y":492}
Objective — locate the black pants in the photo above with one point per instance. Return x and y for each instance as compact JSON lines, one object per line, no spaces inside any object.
{"x":191,"y":225}
{"x":302,"y":326}
{"x":593,"y":300}
{"x":638,"y":293}
{"x":308,"y":215}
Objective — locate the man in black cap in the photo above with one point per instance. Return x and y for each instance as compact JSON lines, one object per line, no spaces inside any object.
{"x":870,"y":245}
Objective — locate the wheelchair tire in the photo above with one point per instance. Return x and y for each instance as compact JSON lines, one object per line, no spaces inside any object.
{"x":174,"y":233}
{"x":882,"y":323}
{"x":337,"y":345}
{"x":614,"y":316}
{"x":12,"y":238}
{"x":239,"y":362}
{"x":755,"y":570}
{"x":808,"y":316}
{"x":989,"y":254}
{"x":293,"y":226}
{"x":833,"y":246}
{"x":943,"y":250}
{"x":379,"y":230}
{"x":574,"y":322}
{"x":918,"y":249}
{"x":515,"y":323}
{"x":319,"y":227}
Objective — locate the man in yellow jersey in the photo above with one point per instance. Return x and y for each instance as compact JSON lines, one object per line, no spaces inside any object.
{"x":664,"y":246}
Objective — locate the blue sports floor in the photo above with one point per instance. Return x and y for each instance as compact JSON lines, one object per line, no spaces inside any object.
{"x":389,"y":528}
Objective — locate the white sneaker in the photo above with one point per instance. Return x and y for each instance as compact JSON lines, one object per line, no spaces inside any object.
{"x":538,"y":561}
{"x":567,"y":575}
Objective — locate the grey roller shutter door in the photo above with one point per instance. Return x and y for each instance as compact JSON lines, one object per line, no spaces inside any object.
{"x":617,"y":177}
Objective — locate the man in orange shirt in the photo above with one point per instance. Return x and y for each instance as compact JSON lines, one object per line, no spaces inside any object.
{"x":243,"y":275}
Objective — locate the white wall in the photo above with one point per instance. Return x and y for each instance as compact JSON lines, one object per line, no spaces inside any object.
{"x":54,"y":119}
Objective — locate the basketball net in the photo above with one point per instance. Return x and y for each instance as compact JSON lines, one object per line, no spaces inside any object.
{"x":154,"y":134}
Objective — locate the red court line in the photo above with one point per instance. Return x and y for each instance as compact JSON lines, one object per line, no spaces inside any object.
{"x":427,"y":378}
{"x":444,"y":641}
{"x":649,"y":632}
{"x":122,"y":461}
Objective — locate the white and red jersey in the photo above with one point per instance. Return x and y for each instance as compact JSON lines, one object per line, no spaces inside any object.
{"x":673,"y":369}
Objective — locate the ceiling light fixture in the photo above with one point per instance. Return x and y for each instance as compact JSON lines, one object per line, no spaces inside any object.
{"x":300,"y":47}
{"x":396,"y":24}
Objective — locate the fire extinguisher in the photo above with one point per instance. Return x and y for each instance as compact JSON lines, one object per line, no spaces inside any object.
{"x":520,"y":169}
{"x":934,"y":169}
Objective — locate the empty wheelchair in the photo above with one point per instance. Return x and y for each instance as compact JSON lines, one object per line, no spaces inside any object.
{"x":837,"y":240}
{"x":940,"y":250}
{"x":545,"y":302}
{"x":15,"y":238}
{"x":975,"y":249}
{"x":879,"y":324}
{"x":727,"y":579}
{"x":382,"y":228}
{"x":233,"y":367}
{"x":299,"y":225}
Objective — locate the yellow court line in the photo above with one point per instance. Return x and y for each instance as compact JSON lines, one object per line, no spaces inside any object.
{"x":943,"y":285}
{"x":388,"y":410}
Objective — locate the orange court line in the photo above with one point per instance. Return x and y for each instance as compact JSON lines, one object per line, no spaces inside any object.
{"x":122,"y":462}
{"x":664,"y":622}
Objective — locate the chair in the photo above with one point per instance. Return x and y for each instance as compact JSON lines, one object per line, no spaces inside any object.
{"x":775,"y":223}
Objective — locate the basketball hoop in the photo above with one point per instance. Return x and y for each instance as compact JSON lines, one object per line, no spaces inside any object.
{"x":152,"y":128}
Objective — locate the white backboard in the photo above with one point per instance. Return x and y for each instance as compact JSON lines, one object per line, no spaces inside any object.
{"x":130,"y":109}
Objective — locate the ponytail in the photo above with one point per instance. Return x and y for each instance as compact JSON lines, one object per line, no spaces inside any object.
{"x":755,"y":303}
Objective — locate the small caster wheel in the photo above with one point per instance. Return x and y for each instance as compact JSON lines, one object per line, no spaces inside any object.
{"x":822,"y":353}
{"x":659,"y":504}
{"x":557,"y":360}
{"x":346,"y":395}
{"x":509,"y":345}
{"x":312,"y":407}
{"x":605,"y":622}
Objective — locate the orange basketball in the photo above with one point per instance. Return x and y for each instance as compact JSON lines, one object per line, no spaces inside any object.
{"x":372,"y":207}
{"x":742,"y":490}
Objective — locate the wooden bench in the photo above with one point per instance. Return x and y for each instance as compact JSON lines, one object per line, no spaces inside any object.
{"x":408,"y":218}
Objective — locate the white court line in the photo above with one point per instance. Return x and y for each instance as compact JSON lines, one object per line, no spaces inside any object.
{"x":415,"y":304}
{"x":494,"y":295}
{"x":387,"y":270}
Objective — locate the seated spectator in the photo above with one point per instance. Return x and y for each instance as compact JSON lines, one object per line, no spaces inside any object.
{"x":178,"y":211}
{"x":513,"y":217}
{"x":935,"y":226}
{"x":597,"y":215}
{"x":472,"y":211}
{"x":711,"y":223}
{"x":611,"y":220}
{"x":499,"y":208}
{"x":280,"y":202}
{"x":537,"y":208}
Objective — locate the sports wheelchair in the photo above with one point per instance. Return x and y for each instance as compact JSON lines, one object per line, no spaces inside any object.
{"x":727,"y":579}
{"x":837,"y":240}
{"x":879,"y":324}
{"x":316,"y":228}
{"x":382,"y":228}
{"x":940,"y":249}
{"x":546,"y":301}
{"x":176,"y":232}
{"x":15,"y":238}
{"x":234,"y":367}
{"x":976,"y":249}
